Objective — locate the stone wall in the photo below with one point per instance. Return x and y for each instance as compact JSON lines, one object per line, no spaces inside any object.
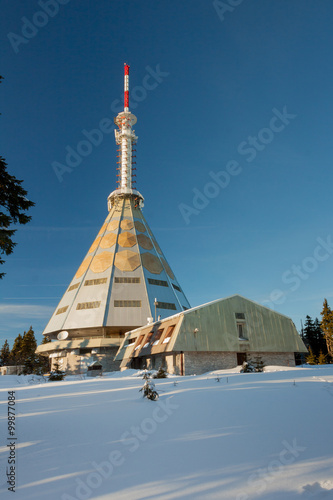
{"x":73,"y":364}
{"x":274,"y":358}
{"x":197,"y":363}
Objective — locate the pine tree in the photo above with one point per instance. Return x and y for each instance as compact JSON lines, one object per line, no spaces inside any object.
{"x":320,"y":338}
{"x":311,"y":358}
{"x":5,"y":354}
{"x":56,"y":374}
{"x":322,"y":359}
{"x":148,"y":388}
{"x":16,"y":357}
{"x":313,"y":336}
{"x":29,"y":346}
{"x":308,"y":332}
{"x":327,"y":326}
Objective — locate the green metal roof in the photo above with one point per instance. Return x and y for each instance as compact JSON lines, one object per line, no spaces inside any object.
{"x":213,"y":327}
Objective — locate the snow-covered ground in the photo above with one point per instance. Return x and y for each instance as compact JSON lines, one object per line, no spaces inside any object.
{"x":247,"y":436}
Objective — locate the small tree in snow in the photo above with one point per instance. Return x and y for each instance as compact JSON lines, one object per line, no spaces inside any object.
{"x":258,"y":363}
{"x":248,"y":367}
{"x":161,"y":373}
{"x":148,"y":388}
{"x":56,"y":374}
{"x":322,"y":358}
{"x":311,"y":358}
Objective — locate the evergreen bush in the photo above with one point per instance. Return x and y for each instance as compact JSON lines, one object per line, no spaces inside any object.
{"x":56,"y":374}
{"x":161,"y":373}
{"x":148,"y":388}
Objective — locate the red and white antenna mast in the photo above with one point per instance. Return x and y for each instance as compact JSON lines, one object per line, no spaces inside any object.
{"x":126,"y":140}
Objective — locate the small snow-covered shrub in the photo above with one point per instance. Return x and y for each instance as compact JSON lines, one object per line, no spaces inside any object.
{"x":161,"y":373}
{"x":259,"y":364}
{"x":253,"y":366}
{"x":148,"y":388}
{"x":248,"y":367}
{"x":56,"y":374}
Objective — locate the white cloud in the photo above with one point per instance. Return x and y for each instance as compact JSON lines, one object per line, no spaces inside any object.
{"x":26,"y":311}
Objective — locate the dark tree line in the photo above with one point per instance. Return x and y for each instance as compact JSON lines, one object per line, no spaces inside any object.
{"x":318,"y":336}
{"x":23,"y":353}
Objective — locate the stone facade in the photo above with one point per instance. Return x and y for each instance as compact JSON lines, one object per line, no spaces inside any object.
{"x":73,"y":364}
{"x":274,"y":358}
{"x":197,"y":363}
{"x":11,"y":370}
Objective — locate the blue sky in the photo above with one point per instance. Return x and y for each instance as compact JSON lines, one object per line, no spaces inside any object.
{"x":234,"y":154}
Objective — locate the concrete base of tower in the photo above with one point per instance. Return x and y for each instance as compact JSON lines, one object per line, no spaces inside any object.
{"x":79,"y":364}
{"x":74,"y":357}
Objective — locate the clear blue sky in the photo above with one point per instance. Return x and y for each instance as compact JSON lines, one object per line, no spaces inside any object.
{"x":223,"y":81}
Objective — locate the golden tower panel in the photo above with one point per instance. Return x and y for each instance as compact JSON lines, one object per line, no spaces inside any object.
{"x":126,"y":224}
{"x":139,"y":226}
{"x":103,"y":228}
{"x":126,"y":239}
{"x":108,"y":240}
{"x":114,"y":224}
{"x":95,"y":244}
{"x":168,"y":269}
{"x":157,"y":247}
{"x":102,"y":262}
{"x":145,"y":242}
{"x":151,"y":263}
{"x":126,"y":260}
{"x":84,"y":266}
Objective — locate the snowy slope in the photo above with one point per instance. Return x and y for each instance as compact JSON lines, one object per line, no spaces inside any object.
{"x":248,"y":436}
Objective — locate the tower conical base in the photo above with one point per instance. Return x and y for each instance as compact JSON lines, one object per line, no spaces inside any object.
{"x":123,"y":282}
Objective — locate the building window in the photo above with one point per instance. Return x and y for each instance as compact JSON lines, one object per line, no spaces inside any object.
{"x":127,"y":303}
{"x":176,"y":287}
{"x":88,"y":305}
{"x":157,"y":336}
{"x":157,"y":282}
{"x":127,"y":280}
{"x":240,"y":316}
{"x":168,"y":334}
{"x":62,"y":310}
{"x":131,"y":342}
{"x":99,"y":281}
{"x":166,"y":305}
{"x":139,"y":342}
{"x":241,"y":329}
{"x":73,"y":287}
{"x":148,"y":339}
{"x":84,"y":350}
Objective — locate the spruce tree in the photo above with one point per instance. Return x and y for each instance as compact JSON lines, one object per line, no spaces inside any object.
{"x":327,"y":326}
{"x":56,"y":373}
{"x":5,"y":354}
{"x":313,"y":336}
{"x":16,"y":357}
{"x":320,"y":338}
{"x":322,"y":359}
{"x":311,"y":358}
{"x":29,"y":346}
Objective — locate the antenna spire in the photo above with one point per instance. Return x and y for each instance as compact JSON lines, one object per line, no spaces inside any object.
{"x":126,"y":140}
{"x":126,"y":87}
